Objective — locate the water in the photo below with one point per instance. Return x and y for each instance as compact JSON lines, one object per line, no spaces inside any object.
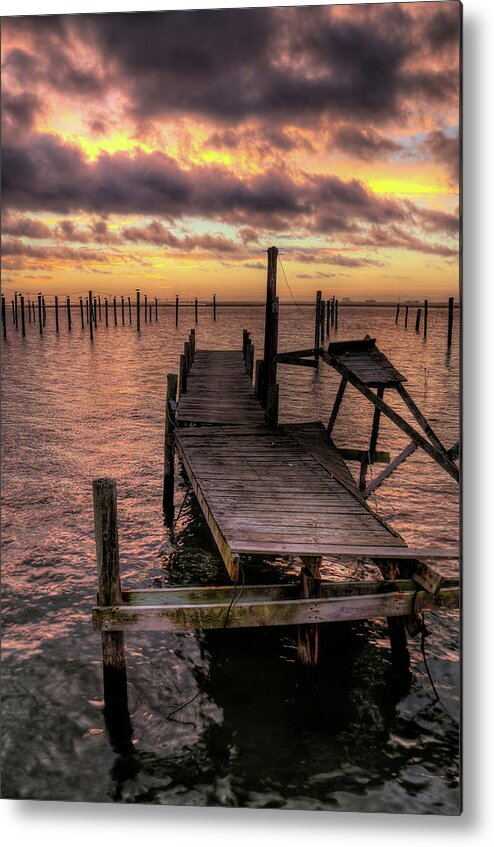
{"x":258,"y":734}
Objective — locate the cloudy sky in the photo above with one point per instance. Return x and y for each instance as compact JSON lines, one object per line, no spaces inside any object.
{"x":168,"y":150}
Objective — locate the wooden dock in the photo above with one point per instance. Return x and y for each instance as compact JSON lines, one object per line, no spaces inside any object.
{"x":278,"y":490}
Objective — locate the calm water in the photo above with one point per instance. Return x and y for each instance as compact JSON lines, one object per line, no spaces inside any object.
{"x":258,"y":734}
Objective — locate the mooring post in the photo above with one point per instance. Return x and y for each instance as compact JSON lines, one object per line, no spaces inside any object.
{"x":40,"y":314}
{"x":310,"y":587}
{"x":115,"y":311}
{"x":95,"y":312}
{"x":69,"y":316}
{"x":16,"y":314}
{"x":417,"y":320}
{"x":44,"y":309}
{"x":13,"y":311}
{"x":56,"y":313}
{"x":130,"y":309}
{"x":23,"y":320}
{"x":176,"y":310}
{"x":406,"y":316}
{"x":270,"y":296}
{"x":145,"y":308}
{"x":99,"y":308}
{"x":450,"y":320}
{"x":138,"y":309}
{"x":122,"y":301}
{"x":397,"y":313}
{"x":196,"y":310}
{"x":106,"y":312}
{"x":109,"y":588}
{"x":29,"y":309}
{"x":328,"y":315}
{"x":336,"y":315}
{"x":90,"y":321}
{"x":214,"y":307}
{"x":169,"y":474}
{"x":317,"y":328}
{"x":150,"y":313}
{"x":156,"y":309}
{"x":183,"y":374}
{"x":81,"y":307}
{"x":258,"y":381}
{"x":272,"y":400}
{"x":87,"y":310}
{"x":323,"y":319}
{"x":426,"y":309}
{"x":4,"y":320}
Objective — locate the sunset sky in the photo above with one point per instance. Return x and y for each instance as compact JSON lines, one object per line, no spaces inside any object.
{"x":166,"y":151}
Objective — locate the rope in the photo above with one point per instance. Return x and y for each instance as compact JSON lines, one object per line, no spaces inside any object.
{"x":424,"y":632}
{"x":290,"y":290}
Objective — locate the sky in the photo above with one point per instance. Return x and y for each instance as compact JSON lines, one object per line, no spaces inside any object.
{"x":167,"y":151}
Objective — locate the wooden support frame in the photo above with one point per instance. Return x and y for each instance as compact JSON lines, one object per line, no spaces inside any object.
{"x":169,"y":447}
{"x":337,"y":404}
{"x":439,"y":456}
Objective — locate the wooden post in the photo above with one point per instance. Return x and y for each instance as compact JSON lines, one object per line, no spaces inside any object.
{"x":95,"y":312}
{"x":109,"y":588}
{"x":150,"y":313}
{"x":196,"y":311}
{"x":323,"y":319}
{"x":99,"y":308}
{"x":13,"y":312}
{"x":183,"y":374}
{"x":258,"y":382}
{"x":169,"y":474}
{"x":122,"y":302}
{"x":250,"y":362}
{"x":145,"y":308}
{"x":28,"y":310}
{"x":268,"y":341}
{"x":214,"y":307}
{"x":156,"y":309}
{"x":16,"y":313}
{"x":40,"y":314}
{"x":375,"y":424}
{"x":56,"y":313}
{"x":87,"y":310}
{"x":106,"y":312}
{"x":270,"y":373}
{"x":406,"y":316}
{"x":44,"y":309}
{"x":192,"y":340}
{"x":450,"y":320}
{"x":91,"y":315}
{"x":138,"y":309}
{"x":23,"y":320}
{"x":336,"y":315}
{"x":115,"y":311}
{"x":130,"y":309}
{"x":34,"y":312}
{"x":426,"y":309}
{"x":245,"y":340}
{"x":400,"y":656}
{"x":417,"y":320}
{"x":397,"y":313}
{"x":328,"y":310}
{"x":332,"y":310}
{"x":81,"y":307}
{"x":176,"y":310}
{"x":310,"y":587}
{"x":4,"y":319}
{"x":337,"y":404}
{"x":69,"y":316}
{"x":317,"y":328}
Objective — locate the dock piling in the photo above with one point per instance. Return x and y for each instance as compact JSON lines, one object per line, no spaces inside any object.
{"x":16,"y":310}
{"x":406,"y":316}
{"x":268,"y":323}
{"x":169,"y":459}
{"x":90,"y":320}
{"x":4,"y":321}
{"x":145,"y":308}
{"x":196,"y":311}
{"x":69,"y":316}
{"x":138,"y":309}
{"x":130,"y":309}
{"x":156,"y":309}
{"x":317,"y":326}
{"x":40,"y":314}
{"x":450,"y":320}
{"x":56,"y":313}
{"x":176,"y":310}
{"x":214,"y":307}
{"x":123,"y":310}
{"x":417,"y":320}
{"x":23,"y":320}
{"x":81,"y":307}
{"x":115,"y":311}
{"x":397,"y":315}
{"x":106,"y":312}
{"x":310,"y":587}
{"x":426,"y":310}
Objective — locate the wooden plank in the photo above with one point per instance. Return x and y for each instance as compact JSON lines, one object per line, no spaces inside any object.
{"x":389,"y":470}
{"x":266,"y":612}
{"x":350,"y":551}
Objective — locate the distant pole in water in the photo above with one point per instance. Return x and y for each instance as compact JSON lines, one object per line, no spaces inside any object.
{"x":417,"y":320}
{"x":106,"y":312}
{"x":336,"y":314}
{"x":156,"y":308}
{"x":81,"y":307}
{"x":4,"y":322}
{"x":13,"y":312}
{"x":138,"y":309}
{"x":95,"y":316}
{"x":176,"y":310}
{"x":323,"y":318}
{"x":87,"y":310}
{"x":44,"y":310}
{"x":317,"y":328}
{"x":16,"y":315}
{"x":40,"y":314}
{"x":214,"y":307}
{"x":196,"y":311}
{"x":90,"y":321}
{"x":34,"y":312}
{"x":397,"y":313}
{"x":123,"y":311}
{"x":23,"y":322}
{"x":69,"y":316}
{"x":145,"y":308}
{"x":56,"y":313}
{"x":29,"y":310}
{"x":426,"y":309}
{"x":450,"y":320}
{"x":406,"y":316}
{"x":115,"y":311}
{"x":99,"y":308}
{"x":130,"y":310}
{"x":150,"y":313}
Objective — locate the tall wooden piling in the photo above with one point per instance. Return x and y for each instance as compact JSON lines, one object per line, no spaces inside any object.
{"x":81,"y":306}
{"x":109,"y":588}
{"x":426,"y":310}
{"x":138,"y":309}
{"x":272,"y":400}
{"x":28,"y":310}
{"x":90,"y":321}
{"x":115,"y":311}
{"x":183,"y":374}
{"x":169,"y":461}
{"x":130,"y":309}
{"x":87,"y":310}
{"x":123,"y":310}
{"x":156,"y":309}
{"x":406,"y":316}
{"x":214,"y":307}
{"x":323,"y":319}
{"x":13,"y":311}
{"x":16,"y":310}
{"x":4,"y":318}
{"x":40,"y":314}
{"x":23,"y":320}
{"x":99,"y":308}
{"x":176,"y":310}
{"x":328,"y":316}
{"x":69,"y":316}
{"x":268,"y":323}
{"x":417,"y":320}
{"x":95,"y":313}
{"x":317,"y":326}
{"x":145,"y":308}
{"x":397,"y":313}
{"x":196,"y":311}
{"x":336,"y":315}
{"x":150,"y":313}
{"x":56,"y":314}
{"x":106,"y":312}
{"x":450,"y":320}
{"x":44,"y":309}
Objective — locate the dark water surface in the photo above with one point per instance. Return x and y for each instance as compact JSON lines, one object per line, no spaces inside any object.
{"x":258,"y":734}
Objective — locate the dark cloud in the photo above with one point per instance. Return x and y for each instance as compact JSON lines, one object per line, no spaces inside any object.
{"x":19,"y":112}
{"x":444,"y":148}
{"x":393,"y":236}
{"x":436,"y":221}
{"x":156,"y":233}
{"x":25,"y":227}
{"x":16,"y":247}
{"x":363,"y":144}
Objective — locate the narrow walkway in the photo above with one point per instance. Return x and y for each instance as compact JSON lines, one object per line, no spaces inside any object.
{"x":219,"y":391}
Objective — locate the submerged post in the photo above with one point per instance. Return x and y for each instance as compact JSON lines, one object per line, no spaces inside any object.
{"x":169,"y":474}
{"x":109,"y":588}
{"x":450,"y":320}
{"x":268,"y":323}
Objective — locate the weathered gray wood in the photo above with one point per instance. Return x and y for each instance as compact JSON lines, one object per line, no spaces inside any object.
{"x":420,"y":418}
{"x":375,"y":425}
{"x":412,"y":433}
{"x":337,"y":404}
{"x":268,"y":612}
{"x":379,"y":479}
{"x":169,"y":451}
